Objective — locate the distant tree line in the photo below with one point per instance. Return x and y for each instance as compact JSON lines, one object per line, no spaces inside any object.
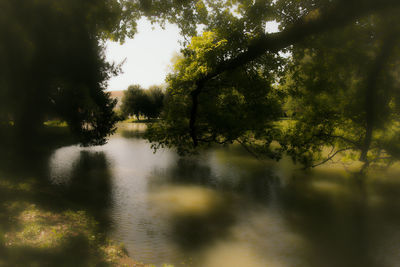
{"x":140,"y":102}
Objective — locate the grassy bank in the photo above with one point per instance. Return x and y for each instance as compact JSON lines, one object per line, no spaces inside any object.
{"x":37,"y":229}
{"x":134,"y":120}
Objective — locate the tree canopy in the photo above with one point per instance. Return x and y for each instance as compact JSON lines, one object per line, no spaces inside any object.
{"x":344,"y":86}
{"x":53,"y":64}
{"x":339,"y":80}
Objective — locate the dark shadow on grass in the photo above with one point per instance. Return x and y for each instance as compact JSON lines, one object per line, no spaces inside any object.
{"x":76,"y":251}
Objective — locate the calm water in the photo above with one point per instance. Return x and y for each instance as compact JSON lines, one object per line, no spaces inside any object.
{"x":224,"y":208}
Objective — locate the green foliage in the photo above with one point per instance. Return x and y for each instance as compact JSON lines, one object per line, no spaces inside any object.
{"x":120,"y":114}
{"x":55,"y":123}
{"x":337,"y":85}
{"x":342,"y":90}
{"x":53,"y":65}
{"x":132,"y":101}
{"x":235,"y":20}
{"x":156,"y":102}
{"x":139,"y":102}
{"x":240,"y":105}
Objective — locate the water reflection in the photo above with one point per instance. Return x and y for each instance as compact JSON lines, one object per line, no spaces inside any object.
{"x":342,"y":222}
{"x":132,"y":130}
{"x":62,"y":163}
{"x":197,"y":215}
{"x":84,"y":180}
{"x":224,"y":208}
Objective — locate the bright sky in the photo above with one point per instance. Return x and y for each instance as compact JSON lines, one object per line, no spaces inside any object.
{"x":148,"y":55}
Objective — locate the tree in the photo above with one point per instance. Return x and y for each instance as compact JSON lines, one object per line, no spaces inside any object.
{"x":133,"y":101}
{"x":305,"y":18}
{"x":53,"y":64}
{"x":139,"y":102}
{"x":345,"y":85}
{"x":241,"y":47}
{"x":238,"y":106}
{"x":155,"y":102}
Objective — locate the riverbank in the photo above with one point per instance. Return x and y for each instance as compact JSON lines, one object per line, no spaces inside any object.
{"x":39,"y":228}
{"x":42,"y":226}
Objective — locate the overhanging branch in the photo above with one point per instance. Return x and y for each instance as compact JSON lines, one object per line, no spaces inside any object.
{"x":336,"y":16}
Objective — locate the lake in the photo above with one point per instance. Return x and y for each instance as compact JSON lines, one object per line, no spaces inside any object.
{"x":225,"y":208}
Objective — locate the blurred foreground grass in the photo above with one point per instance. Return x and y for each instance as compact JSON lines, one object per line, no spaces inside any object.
{"x":37,"y":230}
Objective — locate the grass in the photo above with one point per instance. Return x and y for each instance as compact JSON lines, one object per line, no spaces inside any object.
{"x":34,"y":234}
{"x":56,"y":123}
{"x":38,"y":229}
{"x":134,"y":120}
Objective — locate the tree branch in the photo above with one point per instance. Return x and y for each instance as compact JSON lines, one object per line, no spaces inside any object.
{"x":243,"y":144}
{"x":333,"y":17}
{"x":345,"y":139}
{"x":330,"y":157}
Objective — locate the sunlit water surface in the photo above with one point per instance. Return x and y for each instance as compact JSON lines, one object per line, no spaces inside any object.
{"x":225,"y":208}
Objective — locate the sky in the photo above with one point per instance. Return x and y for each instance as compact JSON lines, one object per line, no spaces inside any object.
{"x":148,"y":56}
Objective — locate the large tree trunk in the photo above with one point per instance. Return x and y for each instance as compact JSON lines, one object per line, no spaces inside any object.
{"x":28,"y":121}
{"x":371,"y":92}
